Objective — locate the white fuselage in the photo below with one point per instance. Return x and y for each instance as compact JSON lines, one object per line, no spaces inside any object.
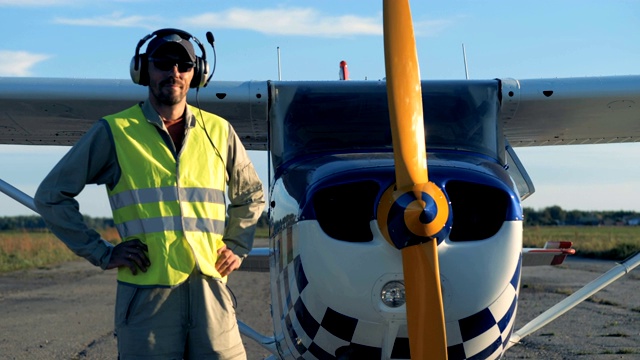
{"x":326,"y":300}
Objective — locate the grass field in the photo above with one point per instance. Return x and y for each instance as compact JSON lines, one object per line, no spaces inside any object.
{"x":26,"y":250}
{"x":600,"y":242}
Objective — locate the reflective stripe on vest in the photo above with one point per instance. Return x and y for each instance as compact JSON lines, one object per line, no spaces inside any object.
{"x":176,"y":208}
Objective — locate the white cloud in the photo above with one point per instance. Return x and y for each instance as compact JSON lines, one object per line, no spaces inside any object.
{"x":280,"y":21}
{"x":305,"y":22}
{"x":289,"y":21}
{"x":296,"y":21}
{"x":34,"y":3}
{"x":19,"y":63}
{"x":115,"y":19}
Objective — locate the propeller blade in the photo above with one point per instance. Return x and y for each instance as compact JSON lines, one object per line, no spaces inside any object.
{"x":404,"y":94}
{"x":417,"y":200}
{"x":425,"y":315}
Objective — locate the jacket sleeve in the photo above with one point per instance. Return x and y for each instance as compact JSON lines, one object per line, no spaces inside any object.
{"x":91,"y":161}
{"x":246,"y":197}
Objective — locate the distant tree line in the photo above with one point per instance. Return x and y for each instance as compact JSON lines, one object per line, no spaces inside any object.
{"x":36,"y":223}
{"x":555,"y":215}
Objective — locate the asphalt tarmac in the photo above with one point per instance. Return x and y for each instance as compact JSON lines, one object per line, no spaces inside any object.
{"x":66,"y":312}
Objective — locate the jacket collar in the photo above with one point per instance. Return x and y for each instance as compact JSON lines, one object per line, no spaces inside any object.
{"x":154,"y":118}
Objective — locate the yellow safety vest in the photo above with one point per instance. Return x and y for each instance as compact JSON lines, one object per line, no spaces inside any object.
{"x":176,"y":208}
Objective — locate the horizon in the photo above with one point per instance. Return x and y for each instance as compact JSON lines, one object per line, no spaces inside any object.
{"x":631,"y":212}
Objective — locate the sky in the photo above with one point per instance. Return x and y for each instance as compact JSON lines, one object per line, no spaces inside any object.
{"x":517,"y":39}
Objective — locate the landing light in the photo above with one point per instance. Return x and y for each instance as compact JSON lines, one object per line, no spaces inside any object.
{"x":392,"y":294}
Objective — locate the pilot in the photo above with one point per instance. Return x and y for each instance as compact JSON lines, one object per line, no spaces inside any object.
{"x":166,"y":165}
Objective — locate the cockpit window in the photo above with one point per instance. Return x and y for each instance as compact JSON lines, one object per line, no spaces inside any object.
{"x":354,"y":116}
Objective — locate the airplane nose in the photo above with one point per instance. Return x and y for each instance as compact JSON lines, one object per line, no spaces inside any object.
{"x":430,"y":211}
{"x":414,"y":216}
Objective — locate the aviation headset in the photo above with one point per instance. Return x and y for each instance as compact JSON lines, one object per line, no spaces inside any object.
{"x":139,"y":68}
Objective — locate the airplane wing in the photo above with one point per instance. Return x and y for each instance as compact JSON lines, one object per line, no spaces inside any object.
{"x":50,"y":111}
{"x":590,"y":110}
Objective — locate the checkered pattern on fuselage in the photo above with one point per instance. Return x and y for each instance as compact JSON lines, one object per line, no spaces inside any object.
{"x":316,"y":331}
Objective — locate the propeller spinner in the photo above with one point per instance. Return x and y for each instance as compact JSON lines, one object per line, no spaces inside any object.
{"x":413,"y":215}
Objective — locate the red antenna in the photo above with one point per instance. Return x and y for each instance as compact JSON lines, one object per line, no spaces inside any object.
{"x":344,"y":72}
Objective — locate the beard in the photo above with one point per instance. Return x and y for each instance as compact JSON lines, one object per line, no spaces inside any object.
{"x":168,"y":95}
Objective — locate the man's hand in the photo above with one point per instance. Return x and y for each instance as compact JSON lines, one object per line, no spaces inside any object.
{"x":227,"y":261}
{"x":132,"y":254}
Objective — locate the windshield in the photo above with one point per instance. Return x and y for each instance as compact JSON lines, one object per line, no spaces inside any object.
{"x":348,"y":116}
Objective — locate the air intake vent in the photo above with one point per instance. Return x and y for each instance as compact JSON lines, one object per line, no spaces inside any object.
{"x":478,"y":210}
{"x":345,"y":211}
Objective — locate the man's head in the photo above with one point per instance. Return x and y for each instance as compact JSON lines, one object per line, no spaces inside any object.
{"x":170,"y":74}
{"x":169,"y":45}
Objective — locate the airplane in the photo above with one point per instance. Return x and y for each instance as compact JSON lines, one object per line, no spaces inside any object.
{"x":395,"y":207}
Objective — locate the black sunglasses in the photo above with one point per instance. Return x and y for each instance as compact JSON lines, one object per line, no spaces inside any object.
{"x":166,"y":65}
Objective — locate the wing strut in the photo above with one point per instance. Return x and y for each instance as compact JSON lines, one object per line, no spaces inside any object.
{"x":574,"y":299}
{"x":17,"y":195}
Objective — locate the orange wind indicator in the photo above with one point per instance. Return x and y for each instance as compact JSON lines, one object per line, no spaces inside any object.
{"x":413,"y":215}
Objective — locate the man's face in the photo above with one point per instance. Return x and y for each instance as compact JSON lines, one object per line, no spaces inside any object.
{"x":169,"y":78}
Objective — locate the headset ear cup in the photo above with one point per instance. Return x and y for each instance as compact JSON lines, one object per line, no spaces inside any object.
{"x":204,"y":72}
{"x":135,"y":74}
{"x":199,"y":73}
{"x":141,"y":75}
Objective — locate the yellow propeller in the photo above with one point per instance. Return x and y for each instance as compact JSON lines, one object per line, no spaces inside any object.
{"x":412,"y":214}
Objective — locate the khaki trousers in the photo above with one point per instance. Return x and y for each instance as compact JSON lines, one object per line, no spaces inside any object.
{"x":194,"y":320}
